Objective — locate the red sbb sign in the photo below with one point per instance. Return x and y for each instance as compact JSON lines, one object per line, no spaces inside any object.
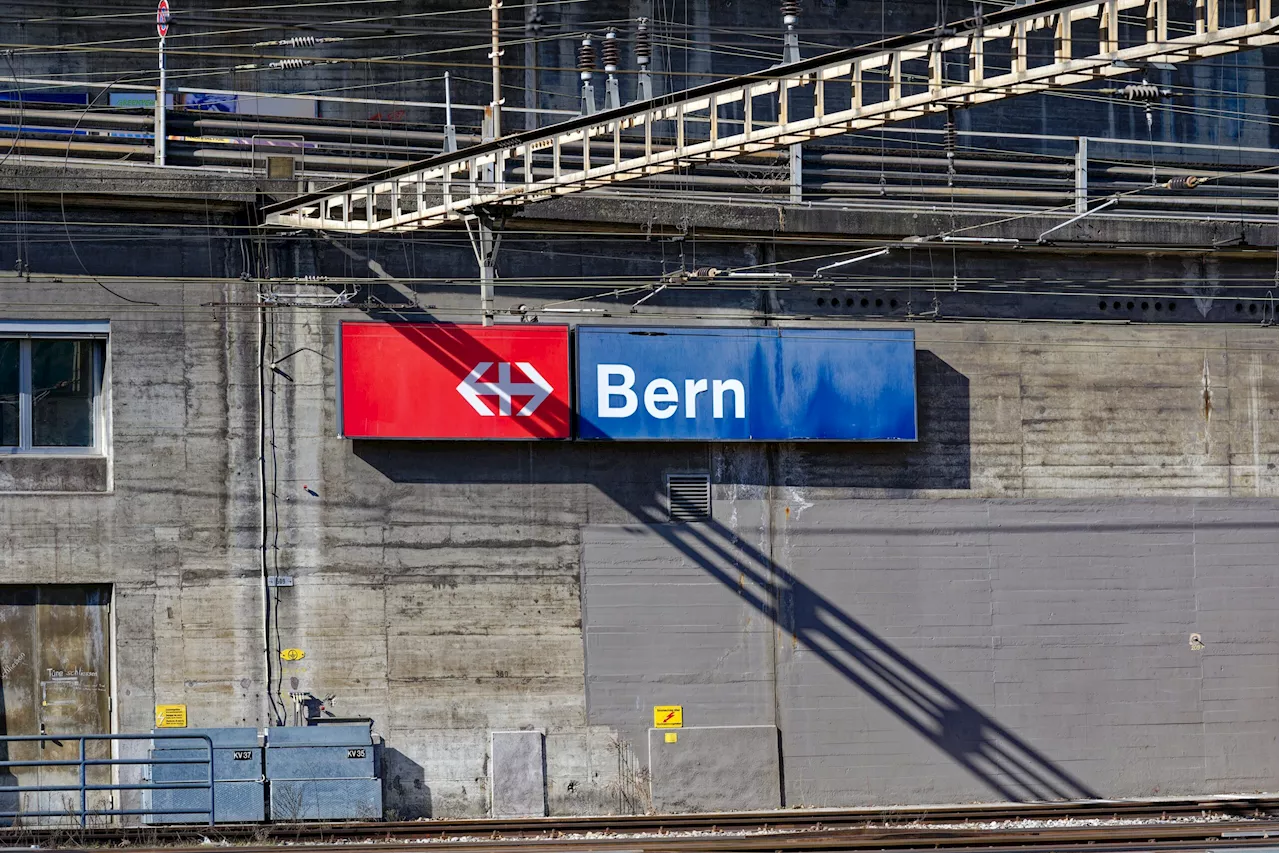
{"x":428,"y":380}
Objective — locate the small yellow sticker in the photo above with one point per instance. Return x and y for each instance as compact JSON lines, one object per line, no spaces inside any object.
{"x":292,"y":654}
{"x":668,"y":716}
{"x":171,"y":716}
{"x":670,"y":737}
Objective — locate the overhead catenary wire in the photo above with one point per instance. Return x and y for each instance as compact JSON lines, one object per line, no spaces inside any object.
{"x":650,"y":194}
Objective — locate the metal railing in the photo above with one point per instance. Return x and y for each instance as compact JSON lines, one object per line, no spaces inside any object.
{"x":82,"y":787}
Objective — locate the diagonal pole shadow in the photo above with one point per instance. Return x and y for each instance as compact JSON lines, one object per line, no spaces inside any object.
{"x":993,"y":754}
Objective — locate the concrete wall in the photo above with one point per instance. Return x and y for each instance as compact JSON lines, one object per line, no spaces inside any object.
{"x":466,"y":557}
{"x":437,"y":587}
{"x":171,"y":521}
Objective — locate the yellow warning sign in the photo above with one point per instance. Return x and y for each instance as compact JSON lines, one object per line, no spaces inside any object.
{"x":171,"y":716}
{"x":292,"y":654}
{"x":670,"y":737}
{"x":668,"y":716}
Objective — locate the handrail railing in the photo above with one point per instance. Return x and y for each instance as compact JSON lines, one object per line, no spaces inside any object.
{"x":83,"y":762}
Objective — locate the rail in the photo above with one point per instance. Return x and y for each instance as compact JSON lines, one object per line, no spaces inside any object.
{"x":1241,"y":813}
{"x":82,"y":787}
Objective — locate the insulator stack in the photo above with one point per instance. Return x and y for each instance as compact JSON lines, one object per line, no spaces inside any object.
{"x":790,"y":12}
{"x":949,"y":135}
{"x":299,"y":41}
{"x":1139,"y":92}
{"x":586,"y":58}
{"x":610,"y":52}
{"x":286,"y":64}
{"x":644,"y":43}
{"x":1184,"y":182}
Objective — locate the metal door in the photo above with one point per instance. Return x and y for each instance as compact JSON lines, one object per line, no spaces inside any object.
{"x":54,"y":679}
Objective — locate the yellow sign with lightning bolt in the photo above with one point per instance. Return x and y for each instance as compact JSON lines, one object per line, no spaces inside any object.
{"x":668,"y":716}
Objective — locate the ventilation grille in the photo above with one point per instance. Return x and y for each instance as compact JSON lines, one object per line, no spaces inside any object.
{"x":689,"y":497}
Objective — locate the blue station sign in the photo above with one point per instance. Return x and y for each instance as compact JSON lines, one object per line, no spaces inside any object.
{"x":745,"y":384}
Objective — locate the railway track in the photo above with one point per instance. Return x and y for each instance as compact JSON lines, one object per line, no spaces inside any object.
{"x":1212,"y":836}
{"x":1243,"y":807}
{"x":1167,"y":824}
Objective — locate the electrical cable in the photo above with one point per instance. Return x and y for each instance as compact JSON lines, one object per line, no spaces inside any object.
{"x":62,"y":206}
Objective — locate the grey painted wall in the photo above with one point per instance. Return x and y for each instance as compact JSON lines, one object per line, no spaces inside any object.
{"x":916,"y":650}
{"x":715,"y":769}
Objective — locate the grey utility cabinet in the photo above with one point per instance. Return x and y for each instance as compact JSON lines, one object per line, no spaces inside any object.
{"x":239,"y":795}
{"x":324,"y":772}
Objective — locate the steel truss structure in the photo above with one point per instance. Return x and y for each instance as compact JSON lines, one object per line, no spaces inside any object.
{"x":1015,"y":51}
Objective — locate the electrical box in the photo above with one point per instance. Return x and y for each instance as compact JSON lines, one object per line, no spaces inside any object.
{"x":326,"y":772}
{"x":239,"y":794}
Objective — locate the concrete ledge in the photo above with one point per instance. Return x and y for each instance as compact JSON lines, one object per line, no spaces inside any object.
{"x":80,"y":474}
{"x":714,"y":769}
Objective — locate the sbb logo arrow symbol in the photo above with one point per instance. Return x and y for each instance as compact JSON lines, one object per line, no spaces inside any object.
{"x":472,"y":388}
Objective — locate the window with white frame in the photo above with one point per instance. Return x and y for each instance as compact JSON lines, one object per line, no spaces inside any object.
{"x":51,"y":387}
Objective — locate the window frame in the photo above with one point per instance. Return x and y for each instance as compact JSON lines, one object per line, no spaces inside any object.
{"x":94,"y":332}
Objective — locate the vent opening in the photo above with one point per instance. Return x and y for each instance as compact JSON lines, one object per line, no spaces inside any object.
{"x":688,"y":497}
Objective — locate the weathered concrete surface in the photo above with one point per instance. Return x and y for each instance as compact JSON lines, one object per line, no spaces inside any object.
{"x":1122,"y":234}
{"x":437,"y":586}
{"x":517,"y":774}
{"x":715,"y":769}
{"x":172,"y":188}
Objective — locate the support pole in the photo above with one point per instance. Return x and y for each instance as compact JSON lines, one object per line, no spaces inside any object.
{"x":495,"y":56}
{"x":488,"y":241}
{"x":159,"y":129}
{"x":795,"y":159}
{"x":1082,"y":174}
{"x":450,"y":132}
{"x":485,"y":241}
{"x":532,"y":32}
{"x":791,"y":53}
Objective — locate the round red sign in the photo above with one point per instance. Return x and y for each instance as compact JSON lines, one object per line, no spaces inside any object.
{"x":162,"y":18}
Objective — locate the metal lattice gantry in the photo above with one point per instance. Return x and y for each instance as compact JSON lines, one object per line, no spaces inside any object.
{"x":1015,"y":51}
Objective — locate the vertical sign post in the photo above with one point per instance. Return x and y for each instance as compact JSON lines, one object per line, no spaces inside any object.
{"x":162,"y":30}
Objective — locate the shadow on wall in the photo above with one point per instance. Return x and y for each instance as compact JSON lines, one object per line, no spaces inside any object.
{"x":997,"y":757}
{"x":939,"y":460}
{"x":404,"y":786}
{"x":626,"y":472}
